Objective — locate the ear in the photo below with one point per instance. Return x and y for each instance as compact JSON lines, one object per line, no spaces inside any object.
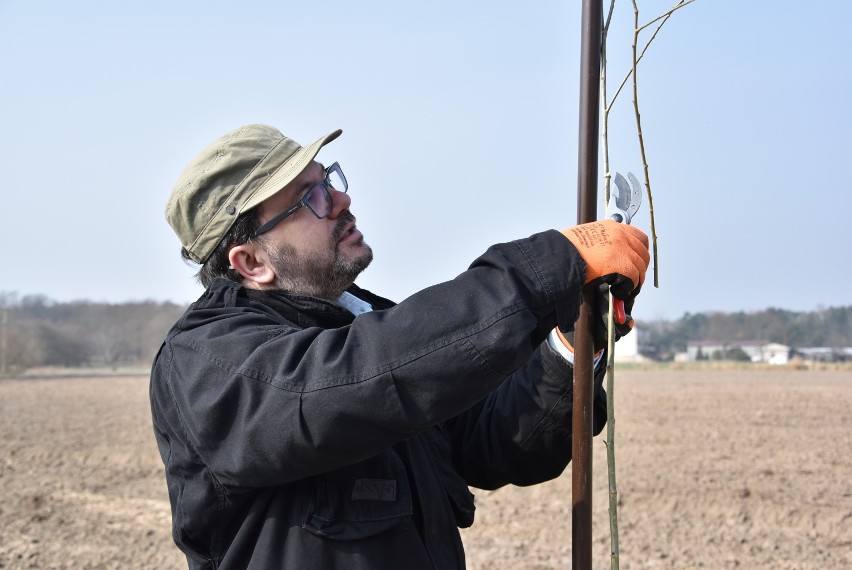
{"x":252,"y":263}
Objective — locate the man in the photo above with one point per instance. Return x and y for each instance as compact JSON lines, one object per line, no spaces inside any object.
{"x":307,"y":423}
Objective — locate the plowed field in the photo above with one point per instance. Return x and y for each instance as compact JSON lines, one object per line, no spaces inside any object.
{"x":716,"y":469}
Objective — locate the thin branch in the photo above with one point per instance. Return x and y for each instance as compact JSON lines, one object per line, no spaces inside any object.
{"x":665,"y":17}
{"x":610,"y":368}
{"x":606,"y":22}
{"x":610,"y":439}
{"x":642,"y":142}
{"x":605,"y":123}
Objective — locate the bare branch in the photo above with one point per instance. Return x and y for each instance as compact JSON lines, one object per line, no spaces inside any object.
{"x":642,"y":143}
{"x":605,"y":122}
{"x":665,"y":18}
{"x":666,"y":15}
{"x":614,"y":553}
{"x":610,"y":369}
{"x":607,"y":21}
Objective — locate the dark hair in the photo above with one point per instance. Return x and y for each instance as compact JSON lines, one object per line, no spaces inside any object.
{"x":217,"y":265}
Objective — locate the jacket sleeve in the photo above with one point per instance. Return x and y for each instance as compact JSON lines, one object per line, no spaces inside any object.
{"x":520,"y":434}
{"x":273,"y":403}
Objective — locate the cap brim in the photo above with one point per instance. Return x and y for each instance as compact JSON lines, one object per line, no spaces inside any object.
{"x":288,"y":171}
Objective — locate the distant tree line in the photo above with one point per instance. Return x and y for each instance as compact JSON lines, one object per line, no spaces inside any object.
{"x":36,"y":332}
{"x":825,"y":327}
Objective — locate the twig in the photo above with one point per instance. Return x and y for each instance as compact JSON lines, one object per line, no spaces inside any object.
{"x":665,"y":18}
{"x":606,"y":108}
{"x":610,"y":368}
{"x":666,"y":15}
{"x":610,"y":439}
{"x":642,"y":139}
{"x":637,"y":29}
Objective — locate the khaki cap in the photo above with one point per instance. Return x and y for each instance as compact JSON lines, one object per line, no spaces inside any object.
{"x":235,"y":173}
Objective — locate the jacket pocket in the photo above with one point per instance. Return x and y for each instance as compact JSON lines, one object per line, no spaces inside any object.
{"x":361,"y":500}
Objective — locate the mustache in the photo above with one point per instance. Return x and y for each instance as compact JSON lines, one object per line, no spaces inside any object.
{"x":344,"y":219}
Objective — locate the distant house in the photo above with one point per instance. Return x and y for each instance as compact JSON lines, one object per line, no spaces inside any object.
{"x":756,"y":350}
{"x":774,"y":353}
{"x":627,"y":348}
{"x":824,"y":354}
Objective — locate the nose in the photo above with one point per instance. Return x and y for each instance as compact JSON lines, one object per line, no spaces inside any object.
{"x":340,"y":201}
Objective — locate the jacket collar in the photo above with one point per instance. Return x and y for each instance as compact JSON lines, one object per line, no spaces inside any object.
{"x":303,"y":310}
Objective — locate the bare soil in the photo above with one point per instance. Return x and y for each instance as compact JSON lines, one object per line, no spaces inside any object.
{"x":716,"y":469}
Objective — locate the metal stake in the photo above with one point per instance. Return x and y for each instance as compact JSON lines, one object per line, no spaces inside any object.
{"x":587,"y":179}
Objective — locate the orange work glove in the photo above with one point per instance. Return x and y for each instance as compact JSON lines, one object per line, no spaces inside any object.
{"x":616,"y":254}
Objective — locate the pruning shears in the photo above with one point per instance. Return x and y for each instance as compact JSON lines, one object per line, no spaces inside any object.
{"x":624,"y":201}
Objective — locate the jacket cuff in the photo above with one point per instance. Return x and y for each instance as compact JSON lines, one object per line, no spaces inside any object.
{"x":561,"y":272}
{"x":559,"y":348}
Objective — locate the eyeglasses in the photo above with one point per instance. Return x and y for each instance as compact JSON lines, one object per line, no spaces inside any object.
{"x":317,"y":199}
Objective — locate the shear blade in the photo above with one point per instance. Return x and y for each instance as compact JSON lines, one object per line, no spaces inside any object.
{"x":625,"y":199}
{"x":622,"y":192}
{"x":635,"y":194}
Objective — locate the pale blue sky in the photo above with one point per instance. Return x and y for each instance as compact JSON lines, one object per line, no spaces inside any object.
{"x":460,"y":130}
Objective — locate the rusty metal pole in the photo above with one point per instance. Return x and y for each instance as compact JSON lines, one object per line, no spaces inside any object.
{"x":587,"y":180}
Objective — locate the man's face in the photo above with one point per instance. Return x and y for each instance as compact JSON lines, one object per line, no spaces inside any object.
{"x":319,"y":257}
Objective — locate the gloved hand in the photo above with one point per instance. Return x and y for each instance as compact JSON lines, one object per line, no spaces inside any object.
{"x":616,"y":254}
{"x":621,"y":328}
{"x":617,"y":258}
{"x":599,"y":323}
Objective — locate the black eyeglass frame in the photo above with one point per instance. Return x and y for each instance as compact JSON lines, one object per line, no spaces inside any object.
{"x":324,"y":185}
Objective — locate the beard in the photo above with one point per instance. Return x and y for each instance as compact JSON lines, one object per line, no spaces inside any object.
{"x":324,"y":275}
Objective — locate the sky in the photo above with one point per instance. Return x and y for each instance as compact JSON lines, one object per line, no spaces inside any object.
{"x":460,"y":130}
